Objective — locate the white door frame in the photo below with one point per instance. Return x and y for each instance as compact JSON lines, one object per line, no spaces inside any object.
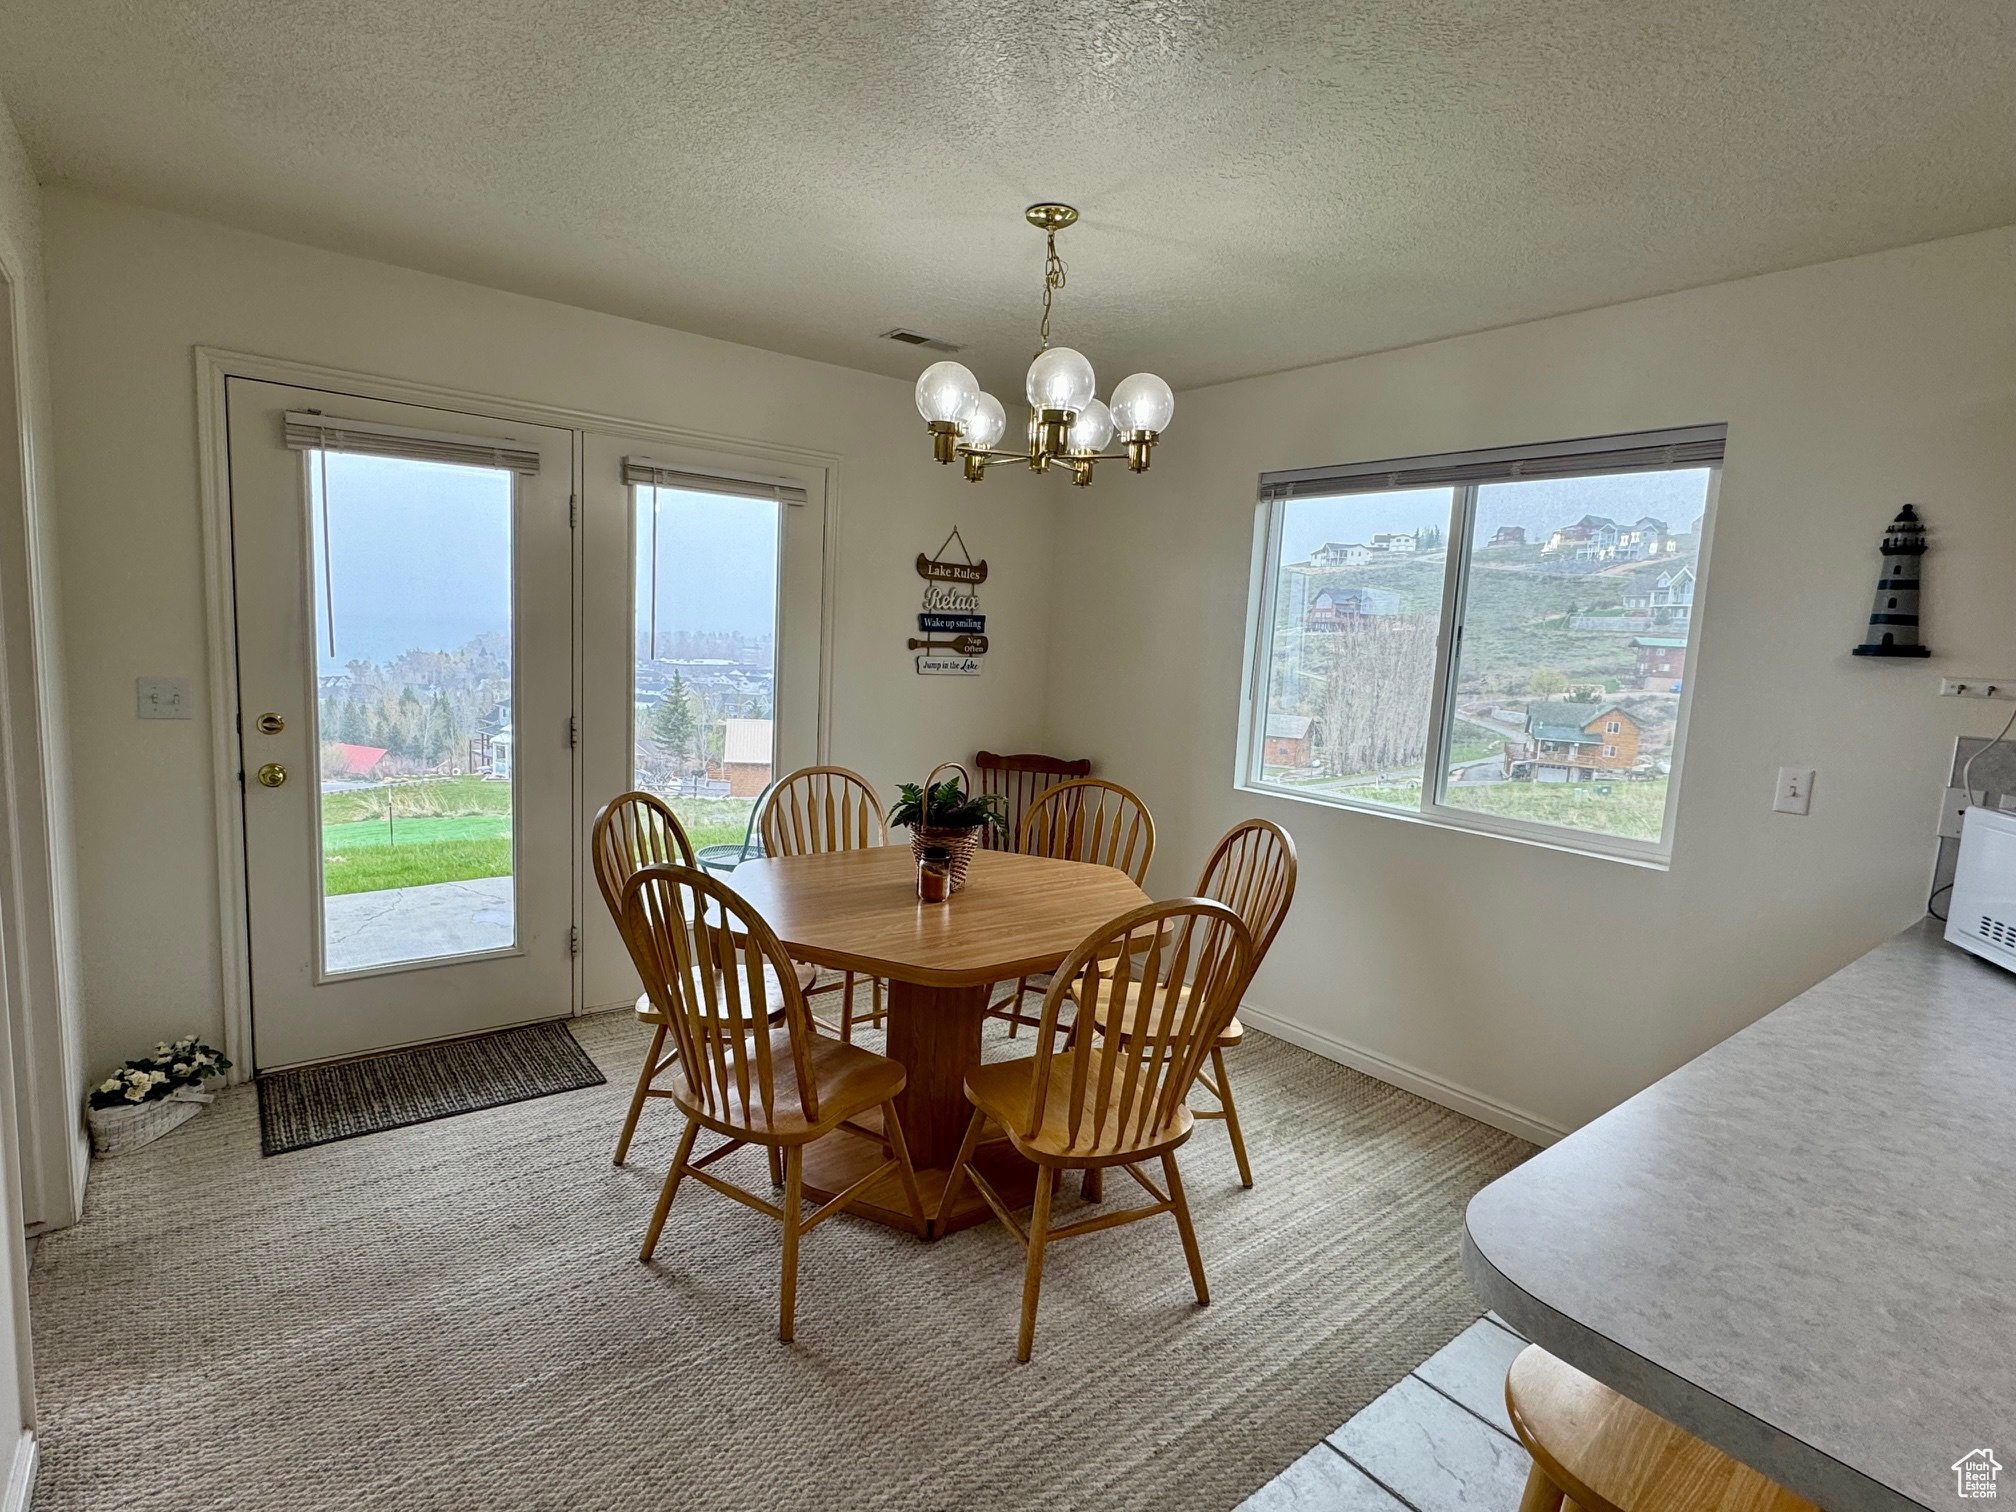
{"x":213,"y":367}
{"x":40,"y":1089}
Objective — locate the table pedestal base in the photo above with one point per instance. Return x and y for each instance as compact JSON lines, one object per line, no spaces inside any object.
{"x":935,"y":1033}
{"x":840,"y":1159}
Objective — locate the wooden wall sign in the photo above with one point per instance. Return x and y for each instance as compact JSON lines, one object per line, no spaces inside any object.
{"x":952,"y":628}
{"x":936,"y":566}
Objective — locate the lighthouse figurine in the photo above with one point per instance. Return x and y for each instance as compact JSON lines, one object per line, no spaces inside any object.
{"x":1893,"y":623}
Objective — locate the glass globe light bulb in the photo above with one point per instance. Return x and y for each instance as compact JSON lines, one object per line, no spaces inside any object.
{"x":1090,"y":431}
{"x":946,"y":390}
{"x":982,"y":425}
{"x":1142,"y":402}
{"x":1060,"y":379}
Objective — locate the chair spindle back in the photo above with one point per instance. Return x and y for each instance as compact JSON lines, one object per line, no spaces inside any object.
{"x":633,"y":831}
{"x":822,"y":808}
{"x":703,"y":953}
{"x":1252,"y":872}
{"x":1188,"y":959}
{"x":1019,"y":781}
{"x":1089,"y":819}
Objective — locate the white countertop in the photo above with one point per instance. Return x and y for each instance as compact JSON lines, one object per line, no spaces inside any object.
{"x":1802,"y":1244}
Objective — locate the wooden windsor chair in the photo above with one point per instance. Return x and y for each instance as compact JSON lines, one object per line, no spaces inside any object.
{"x":1019,"y":781}
{"x":633,"y":831}
{"x":1112,"y":1100}
{"x":1083,"y":819}
{"x":813,"y":811}
{"x":713,"y":961}
{"x":1252,"y":872}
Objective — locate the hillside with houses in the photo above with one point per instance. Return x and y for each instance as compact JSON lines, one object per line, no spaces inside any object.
{"x":1568,"y":680}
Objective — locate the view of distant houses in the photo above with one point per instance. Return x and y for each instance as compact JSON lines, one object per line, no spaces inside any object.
{"x":1596,"y":538}
{"x":448,"y":714}
{"x":1596,"y":707}
{"x":1353,"y":554}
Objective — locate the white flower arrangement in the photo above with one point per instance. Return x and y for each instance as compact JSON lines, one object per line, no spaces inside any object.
{"x":168,"y":1069}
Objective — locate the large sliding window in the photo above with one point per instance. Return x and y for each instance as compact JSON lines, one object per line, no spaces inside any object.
{"x":1494,"y":640}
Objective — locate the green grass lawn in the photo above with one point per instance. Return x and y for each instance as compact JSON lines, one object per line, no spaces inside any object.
{"x":458,"y":830}
{"x":713,"y":821}
{"x":1636,"y":810}
{"x":426,"y":797}
{"x":370,"y":856}
{"x":377,"y":868}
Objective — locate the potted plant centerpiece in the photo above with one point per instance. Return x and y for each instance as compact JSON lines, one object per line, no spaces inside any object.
{"x":947,"y":815}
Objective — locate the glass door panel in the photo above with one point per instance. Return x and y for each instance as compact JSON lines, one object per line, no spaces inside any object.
{"x":413,"y":645}
{"x":703,"y":661}
{"x":704,"y":684}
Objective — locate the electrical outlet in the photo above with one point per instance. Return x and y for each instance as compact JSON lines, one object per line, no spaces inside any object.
{"x":1795,"y":791}
{"x":1978,"y":687}
{"x":1958,"y":801}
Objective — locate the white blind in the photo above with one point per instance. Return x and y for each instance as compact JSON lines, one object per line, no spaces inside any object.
{"x":1643,"y":451}
{"x":642,"y":470}
{"x":308,"y":432}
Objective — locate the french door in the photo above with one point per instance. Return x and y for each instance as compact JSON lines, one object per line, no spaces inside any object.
{"x":702,"y":621}
{"x":404,"y":594}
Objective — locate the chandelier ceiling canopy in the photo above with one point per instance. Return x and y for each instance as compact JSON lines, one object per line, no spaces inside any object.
{"x":1068,"y":423}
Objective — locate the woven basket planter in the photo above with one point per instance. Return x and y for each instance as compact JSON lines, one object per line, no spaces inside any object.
{"x":120,"y":1131}
{"x":961,"y":843}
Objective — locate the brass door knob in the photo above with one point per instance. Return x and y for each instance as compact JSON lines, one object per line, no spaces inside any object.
{"x":271,"y":724}
{"x":272,"y":774}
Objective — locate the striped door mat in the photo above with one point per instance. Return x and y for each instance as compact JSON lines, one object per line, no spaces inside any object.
{"x":322,"y":1104}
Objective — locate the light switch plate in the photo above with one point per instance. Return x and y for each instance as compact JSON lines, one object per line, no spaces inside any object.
{"x":1977,"y":687}
{"x":162,"y":698}
{"x":1795,"y":791}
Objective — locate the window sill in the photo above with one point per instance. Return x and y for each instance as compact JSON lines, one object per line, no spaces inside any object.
{"x":1542,"y":837}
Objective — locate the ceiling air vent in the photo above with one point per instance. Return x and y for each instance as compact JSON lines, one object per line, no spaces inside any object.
{"x":912,"y":338}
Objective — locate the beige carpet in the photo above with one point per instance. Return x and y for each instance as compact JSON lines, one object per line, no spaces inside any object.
{"x":452,"y":1316}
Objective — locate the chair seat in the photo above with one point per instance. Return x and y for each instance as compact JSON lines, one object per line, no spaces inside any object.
{"x":1134,"y":1020}
{"x":1005,"y":1092}
{"x":847,"y":1080}
{"x":1608,"y":1454}
{"x":647,"y":1013}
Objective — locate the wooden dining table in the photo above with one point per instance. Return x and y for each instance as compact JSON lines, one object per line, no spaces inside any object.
{"x":859,"y":911}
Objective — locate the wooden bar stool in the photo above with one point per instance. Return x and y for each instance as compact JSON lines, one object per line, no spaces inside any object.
{"x":1605,"y":1453}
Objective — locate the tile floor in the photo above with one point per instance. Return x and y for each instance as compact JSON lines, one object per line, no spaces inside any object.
{"x":1437,"y":1442}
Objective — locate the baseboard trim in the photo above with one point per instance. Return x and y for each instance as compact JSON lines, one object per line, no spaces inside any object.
{"x":20,"y":1493}
{"x":1464,"y":1100}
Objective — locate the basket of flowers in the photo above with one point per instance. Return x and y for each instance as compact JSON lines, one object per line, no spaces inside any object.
{"x":948,"y":814}
{"x":152,"y":1094}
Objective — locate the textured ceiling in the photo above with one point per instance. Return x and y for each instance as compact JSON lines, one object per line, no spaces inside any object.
{"x":1265,"y":183}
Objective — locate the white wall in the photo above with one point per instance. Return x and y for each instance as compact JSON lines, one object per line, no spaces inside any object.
{"x":1537,"y":987}
{"x":133,"y":291}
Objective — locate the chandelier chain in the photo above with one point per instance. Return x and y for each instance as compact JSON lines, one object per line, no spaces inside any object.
{"x":1053,"y":280}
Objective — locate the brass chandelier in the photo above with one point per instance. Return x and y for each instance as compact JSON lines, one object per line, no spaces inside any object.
{"x":1068,"y":424}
